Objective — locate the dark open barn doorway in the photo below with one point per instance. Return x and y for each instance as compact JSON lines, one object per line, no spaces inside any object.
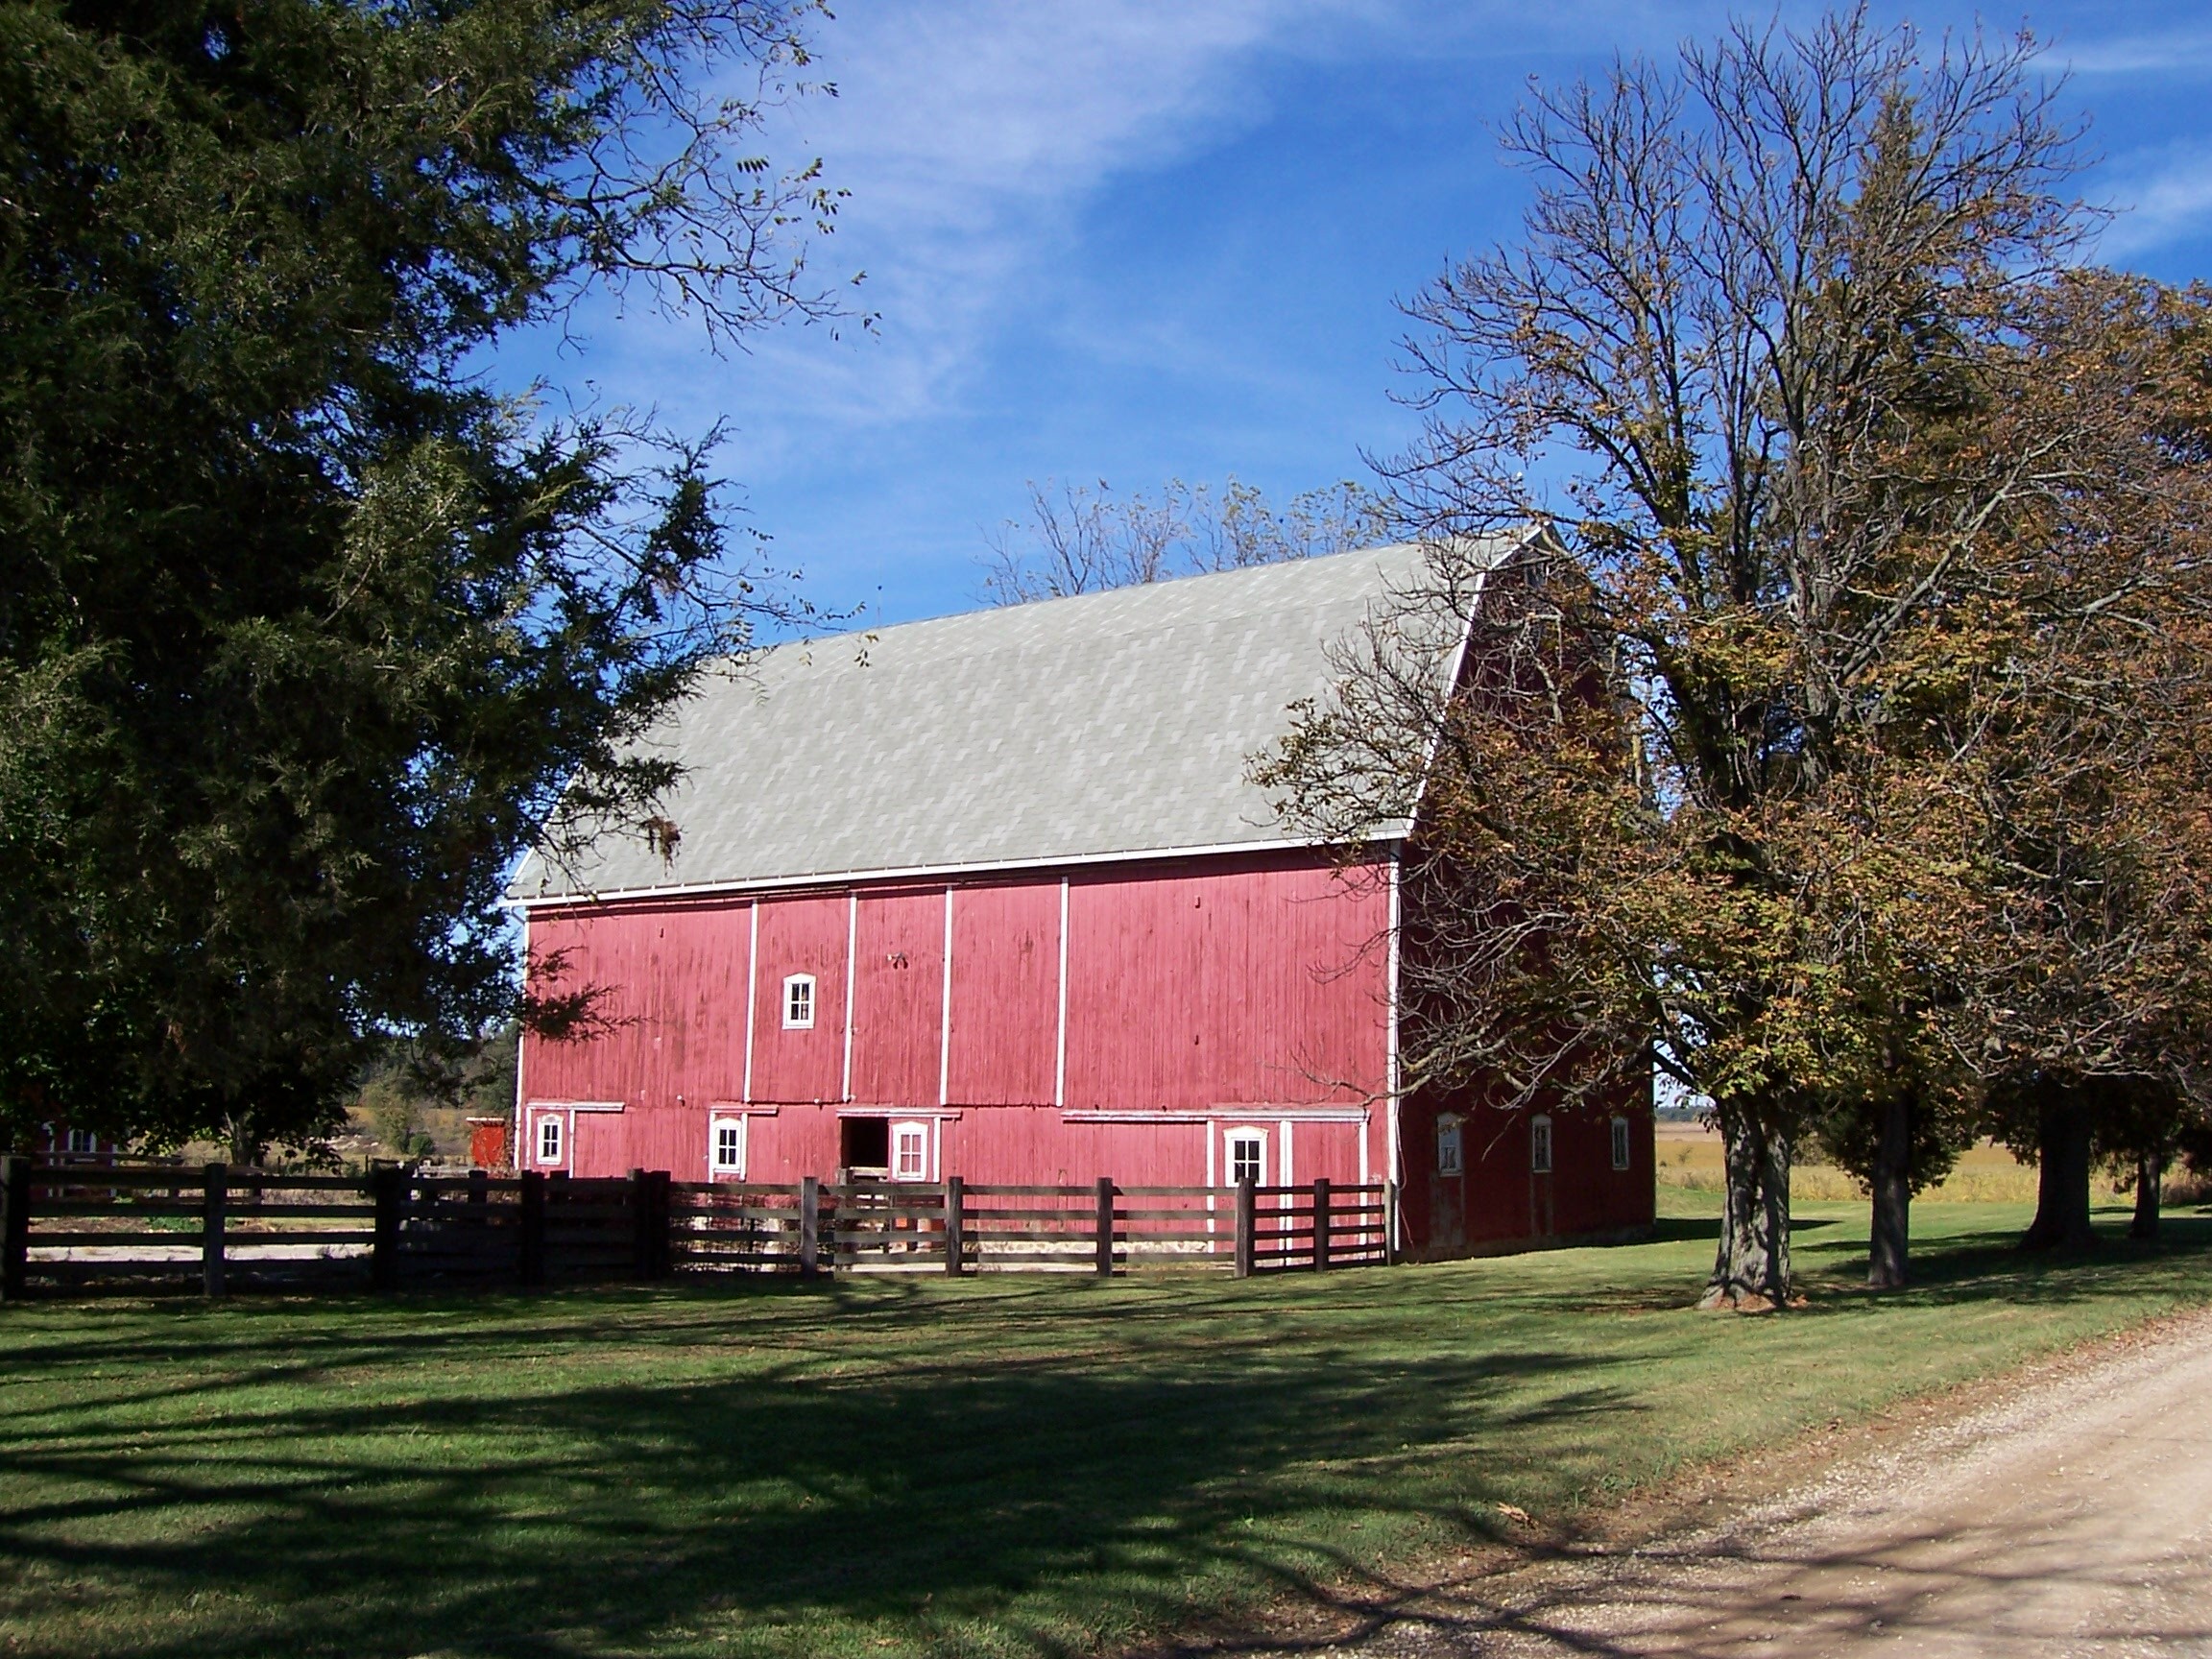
{"x":864,"y":1145}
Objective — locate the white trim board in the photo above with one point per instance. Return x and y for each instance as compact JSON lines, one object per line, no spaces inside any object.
{"x":1386,"y":835}
{"x":1241,"y":1114}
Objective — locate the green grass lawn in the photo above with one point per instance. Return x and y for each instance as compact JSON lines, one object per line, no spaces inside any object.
{"x":1005,"y":1466}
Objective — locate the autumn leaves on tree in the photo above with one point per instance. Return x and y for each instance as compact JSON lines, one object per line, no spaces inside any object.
{"x":1832,"y":748}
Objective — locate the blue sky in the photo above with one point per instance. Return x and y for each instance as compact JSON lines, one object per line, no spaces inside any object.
{"x":1130,"y":240}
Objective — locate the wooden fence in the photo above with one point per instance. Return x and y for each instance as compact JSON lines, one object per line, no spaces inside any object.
{"x":74,"y":1225}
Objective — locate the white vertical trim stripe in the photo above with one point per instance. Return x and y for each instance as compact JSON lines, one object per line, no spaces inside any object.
{"x":944,"y":1014}
{"x":1394,"y":1154}
{"x":1060,"y":1049}
{"x":851,"y":964}
{"x":752,"y":996}
{"x":522,"y":1049}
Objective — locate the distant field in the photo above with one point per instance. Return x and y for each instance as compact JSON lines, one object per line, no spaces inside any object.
{"x":1008,"y":1466}
{"x":1690,"y":1156}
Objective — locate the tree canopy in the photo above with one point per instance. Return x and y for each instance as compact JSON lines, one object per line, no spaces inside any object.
{"x":1867,"y":544}
{"x":305,"y":632}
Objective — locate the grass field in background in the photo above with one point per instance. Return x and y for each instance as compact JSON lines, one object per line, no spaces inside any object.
{"x":1986,"y":1174}
{"x":1000,"y":1466}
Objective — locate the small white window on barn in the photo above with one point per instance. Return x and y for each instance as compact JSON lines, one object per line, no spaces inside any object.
{"x":1450,"y":1154}
{"x":1540,"y":1144}
{"x":1620,"y":1143}
{"x":84,"y":1141}
{"x":549,"y":1140}
{"x":726,"y":1147}
{"x":799,"y":1002}
{"x":1248,"y":1160}
{"x":909,"y":1151}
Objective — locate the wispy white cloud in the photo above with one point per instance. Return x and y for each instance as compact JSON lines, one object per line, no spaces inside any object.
{"x":2160,"y":204}
{"x":970,"y":136}
{"x":2171,"y":52}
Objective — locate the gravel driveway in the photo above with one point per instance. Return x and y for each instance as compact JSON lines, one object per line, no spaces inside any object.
{"x":2072,"y":1516}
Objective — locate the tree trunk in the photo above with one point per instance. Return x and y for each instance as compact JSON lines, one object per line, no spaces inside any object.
{"x":2062,"y":1192}
{"x":1893,"y":1188}
{"x":2149,"y":1176}
{"x":1751,"y":1269}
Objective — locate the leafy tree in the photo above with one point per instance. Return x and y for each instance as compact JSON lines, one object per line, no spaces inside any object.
{"x":303,"y":632}
{"x":1761,"y":304}
{"x":2089,"y":995}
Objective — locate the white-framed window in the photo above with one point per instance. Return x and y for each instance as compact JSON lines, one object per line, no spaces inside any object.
{"x":82,"y":1141}
{"x":799,"y":1002}
{"x":1620,"y":1143}
{"x":909,"y":1151}
{"x":1451,"y":1151}
{"x":1245,"y":1156}
{"x":1540,"y":1144}
{"x":549,"y":1147}
{"x":726,"y":1147}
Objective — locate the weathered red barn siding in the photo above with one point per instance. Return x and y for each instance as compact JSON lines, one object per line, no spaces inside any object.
{"x":801,"y":935}
{"x":899,"y":997}
{"x":1006,"y":1026}
{"x":1202,"y":997}
{"x":1250,"y":982}
{"x":670,"y":1019}
{"x":1497,"y":1199}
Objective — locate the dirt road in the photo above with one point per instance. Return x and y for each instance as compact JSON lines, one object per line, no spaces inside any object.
{"x":2072,"y":1517}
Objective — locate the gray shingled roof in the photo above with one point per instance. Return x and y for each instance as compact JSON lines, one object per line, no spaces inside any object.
{"x":1071,"y":730}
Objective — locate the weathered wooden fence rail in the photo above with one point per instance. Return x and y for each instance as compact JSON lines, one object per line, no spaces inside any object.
{"x":73,"y":1225}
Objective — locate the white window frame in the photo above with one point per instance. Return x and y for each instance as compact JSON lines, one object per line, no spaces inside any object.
{"x":559,"y":1154}
{"x":80,"y":1142}
{"x":1540,"y":1144}
{"x":1623,"y":1153}
{"x":716,"y":1168}
{"x":911,"y":1132}
{"x":1231,"y":1139}
{"x":1451,"y":1145}
{"x":801,"y":997}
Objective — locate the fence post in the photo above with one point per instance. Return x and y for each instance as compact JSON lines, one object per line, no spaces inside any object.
{"x":1321,"y":1224}
{"x":810,"y":1225}
{"x":14,"y":1226}
{"x":955,"y":1223}
{"x":1247,"y":1217}
{"x":1105,"y":1226}
{"x":531,"y":1265}
{"x":388,"y":1191}
{"x":1390,"y":1223}
{"x":215,"y":1191}
{"x":641,"y":1225}
{"x":664,"y":1246}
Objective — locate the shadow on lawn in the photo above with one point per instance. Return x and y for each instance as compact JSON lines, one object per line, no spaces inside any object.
{"x":731,"y":1471}
{"x":606,"y":1518}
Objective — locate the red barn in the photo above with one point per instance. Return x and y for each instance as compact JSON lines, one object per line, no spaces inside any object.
{"x":994,"y":896}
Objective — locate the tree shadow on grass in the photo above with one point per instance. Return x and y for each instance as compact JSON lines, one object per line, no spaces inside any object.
{"x":910,"y":1505}
{"x":1986,"y":1264}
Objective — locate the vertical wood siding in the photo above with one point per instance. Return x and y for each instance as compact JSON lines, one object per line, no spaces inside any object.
{"x":1250,"y":983}
{"x":805,"y":935}
{"x":1005,"y":994}
{"x":1228,"y":991}
{"x":898,"y":997}
{"x":671,"y":1007}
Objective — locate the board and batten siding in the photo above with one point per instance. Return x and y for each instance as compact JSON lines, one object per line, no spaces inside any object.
{"x":1248,"y":983}
{"x":1186,"y":998}
{"x":898,"y":996}
{"x":1003,"y":1038}
{"x":798,"y":936}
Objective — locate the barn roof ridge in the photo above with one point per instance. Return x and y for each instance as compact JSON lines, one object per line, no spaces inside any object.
{"x":1093,"y":728}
